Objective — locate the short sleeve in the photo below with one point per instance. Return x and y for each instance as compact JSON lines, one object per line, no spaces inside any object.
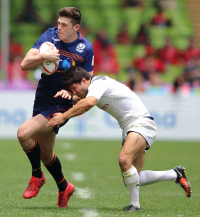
{"x":46,"y":36}
{"x":98,"y":88}
{"x":88,"y":63}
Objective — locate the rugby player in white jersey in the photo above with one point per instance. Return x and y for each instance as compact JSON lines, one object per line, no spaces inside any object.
{"x":138,"y":127}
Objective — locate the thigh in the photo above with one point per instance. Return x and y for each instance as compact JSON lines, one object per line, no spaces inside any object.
{"x":134,"y":146}
{"x":46,"y":142}
{"x":49,"y":111}
{"x":35,"y":126}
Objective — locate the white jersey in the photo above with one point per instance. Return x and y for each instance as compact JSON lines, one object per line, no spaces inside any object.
{"x":117,"y":99}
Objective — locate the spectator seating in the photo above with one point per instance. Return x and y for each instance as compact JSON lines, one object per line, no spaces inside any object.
{"x":108,"y":14}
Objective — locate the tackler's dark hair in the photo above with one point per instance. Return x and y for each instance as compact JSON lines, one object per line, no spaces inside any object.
{"x":74,"y":75}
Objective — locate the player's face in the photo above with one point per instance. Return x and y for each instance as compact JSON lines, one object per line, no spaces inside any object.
{"x":80,"y":89}
{"x":66,"y":31}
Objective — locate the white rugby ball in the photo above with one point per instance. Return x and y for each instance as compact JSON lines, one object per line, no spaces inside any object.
{"x":47,"y":67}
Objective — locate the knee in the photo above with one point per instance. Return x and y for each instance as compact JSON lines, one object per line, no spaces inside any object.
{"x":21,"y":134}
{"x":124,"y":162}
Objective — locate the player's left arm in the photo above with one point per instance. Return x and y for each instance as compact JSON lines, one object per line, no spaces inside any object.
{"x":80,"y":108}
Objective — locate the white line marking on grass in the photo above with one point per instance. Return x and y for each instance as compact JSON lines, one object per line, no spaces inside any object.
{"x":89,"y":212}
{"x":66,"y":146}
{"x":78,"y":176}
{"x":83,"y":193}
{"x":70,"y":156}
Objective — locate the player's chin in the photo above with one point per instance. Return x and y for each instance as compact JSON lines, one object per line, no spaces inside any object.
{"x":60,"y":36}
{"x":81,"y":96}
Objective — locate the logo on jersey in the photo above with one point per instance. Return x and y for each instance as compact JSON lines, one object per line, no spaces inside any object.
{"x":80,"y":47}
{"x":73,"y":62}
{"x":56,"y":39}
{"x":104,"y":107}
{"x":92,"y":61}
{"x":68,"y":63}
{"x":65,"y":64}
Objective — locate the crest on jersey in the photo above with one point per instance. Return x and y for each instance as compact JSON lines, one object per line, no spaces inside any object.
{"x":80,"y":47}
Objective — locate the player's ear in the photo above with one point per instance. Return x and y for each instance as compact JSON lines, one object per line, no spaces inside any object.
{"x":84,"y":80}
{"x":76,"y":27}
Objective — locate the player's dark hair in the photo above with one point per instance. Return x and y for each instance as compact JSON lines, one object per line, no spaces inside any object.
{"x":74,"y":75}
{"x":71,"y":12}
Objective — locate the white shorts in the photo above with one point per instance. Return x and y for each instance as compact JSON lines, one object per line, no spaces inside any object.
{"x":145,"y":127}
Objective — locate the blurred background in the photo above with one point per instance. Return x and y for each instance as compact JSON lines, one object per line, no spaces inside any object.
{"x":152,"y":46}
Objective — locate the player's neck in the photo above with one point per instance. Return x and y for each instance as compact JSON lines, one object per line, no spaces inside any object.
{"x":71,"y":39}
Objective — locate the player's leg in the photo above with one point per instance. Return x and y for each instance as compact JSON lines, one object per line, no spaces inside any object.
{"x":148,"y":177}
{"x":53,"y":165}
{"x":177,"y":175}
{"x":139,"y":162}
{"x":50,"y":160}
{"x":46,"y":142}
{"x":133,"y":149}
{"x":27,"y":134}
{"x":30,"y":129}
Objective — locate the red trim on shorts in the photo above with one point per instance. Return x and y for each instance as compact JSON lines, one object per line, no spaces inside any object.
{"x":57,"y":111}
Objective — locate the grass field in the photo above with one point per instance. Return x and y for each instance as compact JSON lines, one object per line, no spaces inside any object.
{"x":92,"y":166}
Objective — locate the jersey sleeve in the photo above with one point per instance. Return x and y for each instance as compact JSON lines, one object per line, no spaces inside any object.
{"x":46,"y":36}
{"x":88,"y":63}
{"x":98,"y":89}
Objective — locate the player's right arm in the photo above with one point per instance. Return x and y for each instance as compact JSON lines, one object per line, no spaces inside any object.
{"x":34,"y":59}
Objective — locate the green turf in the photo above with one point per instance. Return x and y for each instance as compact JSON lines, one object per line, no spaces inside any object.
{"x":98,"y":160}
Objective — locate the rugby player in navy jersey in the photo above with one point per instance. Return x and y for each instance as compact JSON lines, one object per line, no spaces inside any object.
{"x":35,"y":138}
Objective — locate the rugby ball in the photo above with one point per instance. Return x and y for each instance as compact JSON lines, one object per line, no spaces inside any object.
{"x":47,"y":67}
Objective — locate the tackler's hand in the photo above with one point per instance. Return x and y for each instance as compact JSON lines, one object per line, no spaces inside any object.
{"x":64,"y":94}
{"x":58,"y":118}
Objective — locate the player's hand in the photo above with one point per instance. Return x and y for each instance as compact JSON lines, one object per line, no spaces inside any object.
{"x":64,"y":94}
{"x":51,"y":55}
{"x":58,"y":118}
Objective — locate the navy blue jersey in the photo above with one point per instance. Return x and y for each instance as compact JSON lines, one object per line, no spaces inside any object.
{"x":76,"y":53}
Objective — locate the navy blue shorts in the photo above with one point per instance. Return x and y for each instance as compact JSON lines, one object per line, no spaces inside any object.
{"x":48,"y":111}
